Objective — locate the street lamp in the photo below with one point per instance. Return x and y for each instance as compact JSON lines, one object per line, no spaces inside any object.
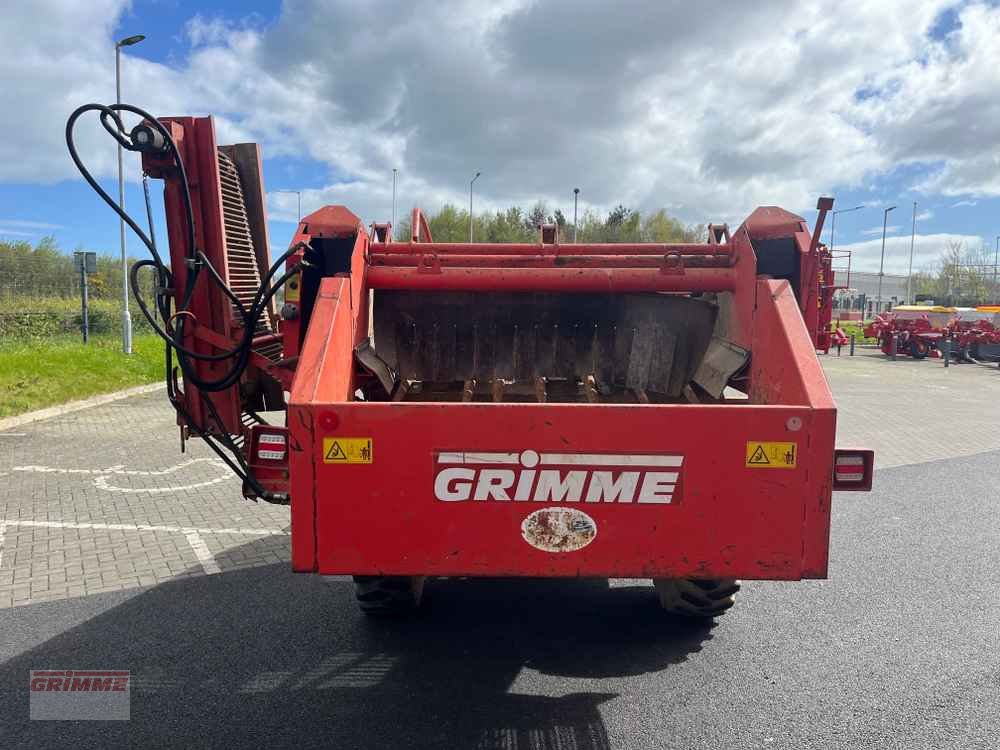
{"x":833,"y":222}
{"x":393,"y":202}
{"x":881,"y":263}
{"x":126,"y":317}
{"x":470,"y":204}
{"x":909,"y":275}
{"x":299,"y":195}
{"x":996,"y":257}
{"x":576,"y":195}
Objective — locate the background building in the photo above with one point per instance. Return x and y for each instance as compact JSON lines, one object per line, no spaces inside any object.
{"x":862,"y":293}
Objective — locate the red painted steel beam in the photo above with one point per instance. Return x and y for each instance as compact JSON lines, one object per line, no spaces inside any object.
{"x":548,"y":261}
{"x":552,"y":279}
{"x":503,"y":248}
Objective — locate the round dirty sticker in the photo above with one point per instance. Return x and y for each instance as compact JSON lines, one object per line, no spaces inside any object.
{"x":558,"y":529}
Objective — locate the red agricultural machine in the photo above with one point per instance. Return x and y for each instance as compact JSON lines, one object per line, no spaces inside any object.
{"x":971,"y":334}
{"x":976,"y":334}
{"x":915,"y":330}
{"x":545,"y":409}
{"x":826,"y":279}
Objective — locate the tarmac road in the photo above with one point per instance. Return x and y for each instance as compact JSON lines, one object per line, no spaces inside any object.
{"x":900,"y":648}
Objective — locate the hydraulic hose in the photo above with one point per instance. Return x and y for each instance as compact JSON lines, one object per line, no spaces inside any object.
{"x":152,"y":135}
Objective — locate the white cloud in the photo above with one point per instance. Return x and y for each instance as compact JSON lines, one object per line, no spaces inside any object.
{"x":542,"y":97}
{"x":925,"y":215}
{"x":940,"y":108}
{"x":24,"y":224}
{"x":891,"y":229}
{"x":927,"y":250}
{"x":959,"y":204}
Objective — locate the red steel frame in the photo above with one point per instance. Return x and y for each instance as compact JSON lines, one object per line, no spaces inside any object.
{"x":727,"y":520}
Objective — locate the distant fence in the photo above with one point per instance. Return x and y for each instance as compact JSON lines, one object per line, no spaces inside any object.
{"x":39,"y":318}
{"x":40,"y":294}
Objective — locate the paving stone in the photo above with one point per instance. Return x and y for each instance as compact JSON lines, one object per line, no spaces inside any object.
{"x":875,"y":400}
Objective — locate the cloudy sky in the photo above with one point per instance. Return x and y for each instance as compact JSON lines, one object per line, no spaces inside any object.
{"x":650,"y":103}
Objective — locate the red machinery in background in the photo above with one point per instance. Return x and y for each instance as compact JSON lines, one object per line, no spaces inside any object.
{"x":916,"y":330}
{"x":827,"y":334}
{"x":972,"y":334}
{"x":543,"y":409}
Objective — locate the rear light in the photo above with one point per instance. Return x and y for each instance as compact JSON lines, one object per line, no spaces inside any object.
{"x":853,"y":470}
{"x":271,"y":446}
{"x":268,"y":446}
{"x":267,"y":459}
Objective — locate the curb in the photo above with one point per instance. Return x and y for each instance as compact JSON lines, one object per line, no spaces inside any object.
{"x":57,"y":411}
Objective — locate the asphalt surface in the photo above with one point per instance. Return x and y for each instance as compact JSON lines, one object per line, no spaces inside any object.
{"x":900,"y":648}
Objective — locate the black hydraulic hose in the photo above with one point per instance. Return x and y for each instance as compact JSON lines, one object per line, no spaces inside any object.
{"x":195,"y":261}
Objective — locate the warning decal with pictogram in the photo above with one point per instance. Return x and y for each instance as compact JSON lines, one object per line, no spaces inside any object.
{"x":764,"y":455}
{"x":347,"y":450}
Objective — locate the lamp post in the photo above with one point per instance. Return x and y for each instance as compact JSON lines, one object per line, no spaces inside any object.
{"x":909,"y":274}
{"x":576,"y":195}
{"x":996,"y":258}
{"x":393,"y":202}
{"x":126,"y":317}
{"x":881,"y":263}
{"x":470,"y":204}
{"x":833,"y":221}
{"x":298,"y":195}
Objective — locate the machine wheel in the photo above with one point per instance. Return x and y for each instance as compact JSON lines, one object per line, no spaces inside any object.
{"x":388,"y":595}
{"x":694,"y":598}
{"x":919,"y":348}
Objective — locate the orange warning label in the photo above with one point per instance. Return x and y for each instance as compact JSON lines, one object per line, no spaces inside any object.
{"x":352,"y":450}
{"x":764,"y":455}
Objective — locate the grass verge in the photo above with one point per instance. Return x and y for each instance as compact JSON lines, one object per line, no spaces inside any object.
{"x":857,"y":329}
{"x":35,"y":373}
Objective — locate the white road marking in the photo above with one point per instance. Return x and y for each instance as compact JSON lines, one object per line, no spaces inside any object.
{"x":120,"y":469}
{"x":201,"y":551}
{"x":102,"y":483}
{"x":143,"y":527}
{"x":193,"y":535}
{"x":13,"y":434}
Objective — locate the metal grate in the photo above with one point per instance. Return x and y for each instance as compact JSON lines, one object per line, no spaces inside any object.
{"x":241,"y":260}
{"x":244,"y":275}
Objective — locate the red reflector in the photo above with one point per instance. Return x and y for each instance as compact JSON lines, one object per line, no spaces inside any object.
{"x":853,"y":470}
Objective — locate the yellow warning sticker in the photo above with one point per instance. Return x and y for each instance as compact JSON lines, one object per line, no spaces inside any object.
{"x":761,"y":455}
{"x":292,"y":291}
{"x":352,"y":450}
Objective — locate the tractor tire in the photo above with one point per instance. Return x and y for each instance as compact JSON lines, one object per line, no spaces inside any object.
{"x":919,"y":348}
{"x":388,"y":595}
{"x":696,"y":599}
